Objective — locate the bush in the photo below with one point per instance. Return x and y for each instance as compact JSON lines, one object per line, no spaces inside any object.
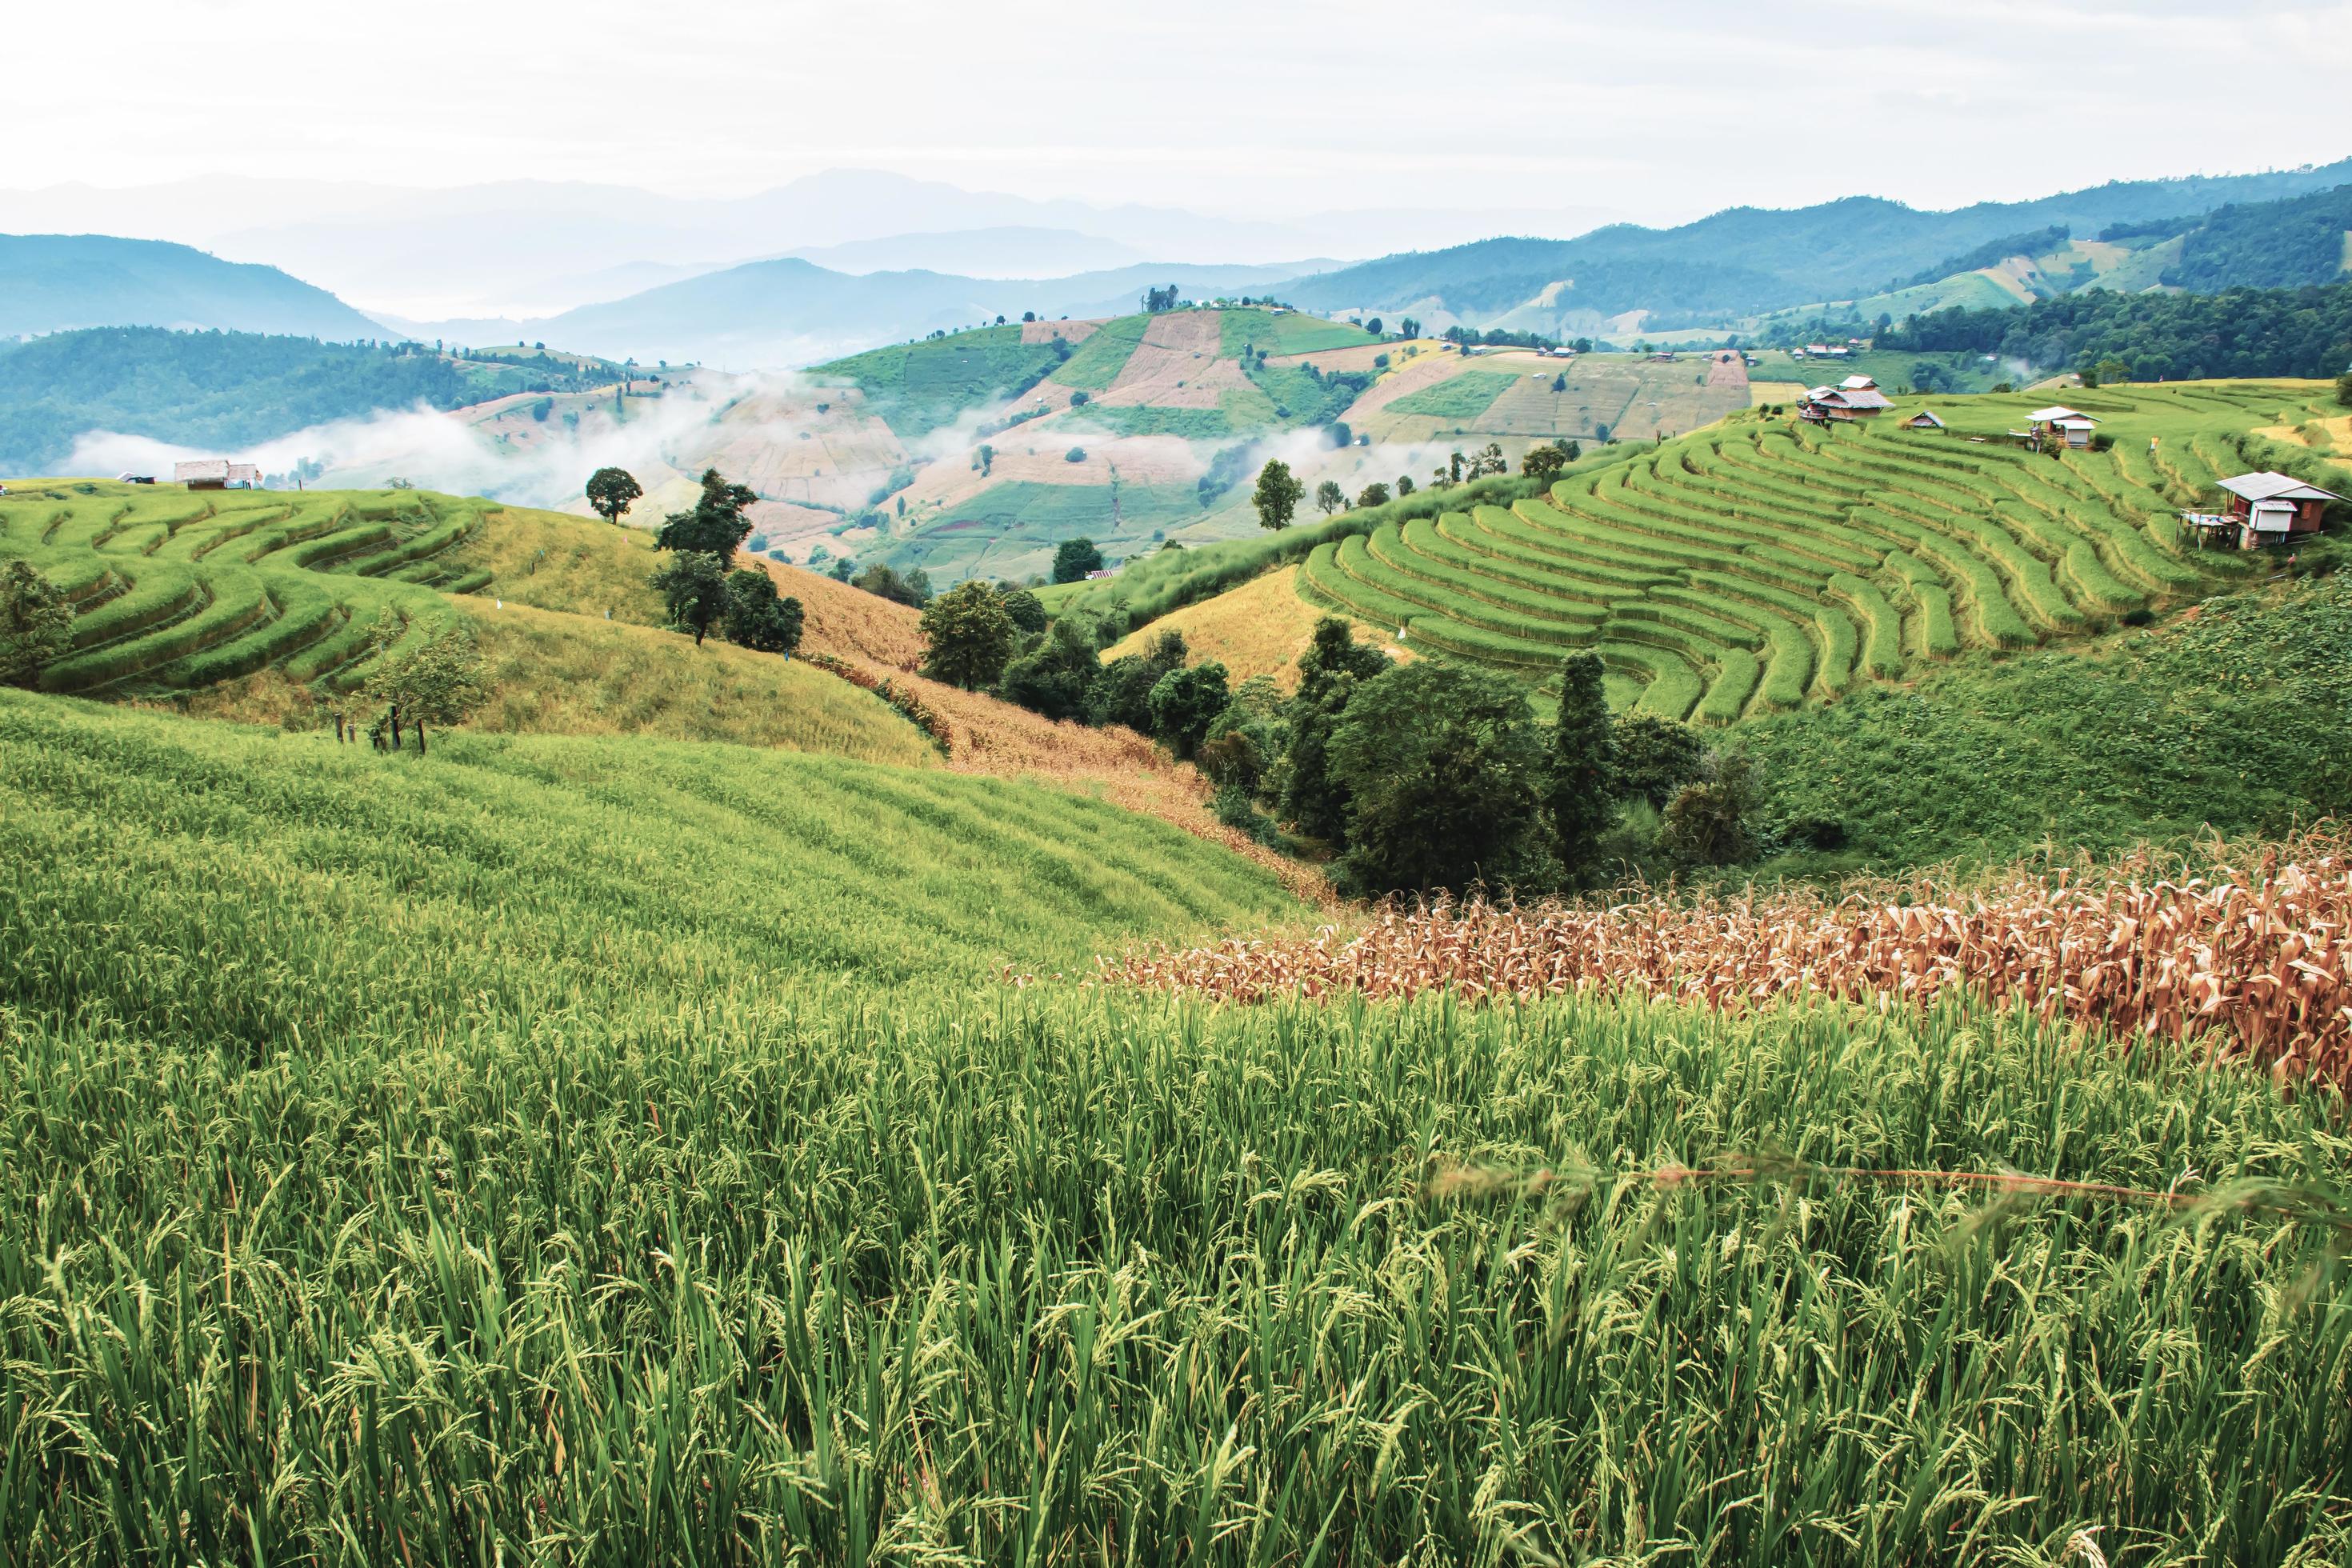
{"x":1075,"y":455}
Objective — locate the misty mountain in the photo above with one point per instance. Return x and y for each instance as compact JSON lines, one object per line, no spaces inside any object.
{"x":55,"y":282}
{"x":792,"y":313}
{"x":533,"y":247}
{"x":1008,"y":252}
{"x":1748,"y":259}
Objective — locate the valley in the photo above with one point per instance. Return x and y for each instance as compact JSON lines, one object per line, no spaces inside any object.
{"x":1244,"y":821}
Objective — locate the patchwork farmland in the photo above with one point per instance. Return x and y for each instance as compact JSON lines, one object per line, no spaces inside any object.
{"x":174,"y":589}
{"x":1755,"y":566}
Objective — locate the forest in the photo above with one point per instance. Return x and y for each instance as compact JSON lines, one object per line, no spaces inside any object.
{"x":2253,"y":333}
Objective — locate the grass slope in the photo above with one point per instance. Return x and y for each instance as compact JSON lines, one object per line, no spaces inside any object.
{"x":917,"y":388}
{"x":594,"y":1149}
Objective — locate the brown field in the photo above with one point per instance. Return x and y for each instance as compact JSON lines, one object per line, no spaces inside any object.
{"x":1359,"y":356}
{"x":849,"y":622}
{"x":777,"y":442}
{"x":2250,"y":945}
{"x":1046,"y":331}
{"x":1177,"y":365}
{"x":1258,"y":628}
{"x":1726,"y":368}
{"x":1426,"y":371}
{"x":1038,"y":453}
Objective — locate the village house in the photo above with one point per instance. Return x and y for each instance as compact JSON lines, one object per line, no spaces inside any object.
{"x":217,"y":474}
{"x":2263,"y":509}
{"x":1847,"y":401}
{"x":2048,"y":427}
{"x":1926,"y":419}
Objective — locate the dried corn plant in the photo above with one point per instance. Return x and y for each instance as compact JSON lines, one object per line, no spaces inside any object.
{"x":2251,"y":950}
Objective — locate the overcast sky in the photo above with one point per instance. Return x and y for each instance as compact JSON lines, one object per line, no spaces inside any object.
{"x":1661,"y":111}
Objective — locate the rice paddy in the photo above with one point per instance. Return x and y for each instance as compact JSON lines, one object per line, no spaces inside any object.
{"x":1755,"y":566}
{"x":616,"y":1152}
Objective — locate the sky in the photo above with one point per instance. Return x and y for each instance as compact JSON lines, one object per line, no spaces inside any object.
{"x":1660,"y":111}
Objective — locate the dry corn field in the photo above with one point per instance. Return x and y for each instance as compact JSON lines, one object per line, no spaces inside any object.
{"x":2252,"y":950}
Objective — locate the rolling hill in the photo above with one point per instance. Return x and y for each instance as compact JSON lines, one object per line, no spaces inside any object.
{"x":56,"y":282}
{"x":1748,"y":261}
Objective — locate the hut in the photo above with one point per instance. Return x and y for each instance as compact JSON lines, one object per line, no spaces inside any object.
{"x":1926,"y":419}
{"x":2263,"y":509}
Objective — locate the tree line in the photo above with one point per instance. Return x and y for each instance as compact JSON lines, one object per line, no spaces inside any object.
{"x":2244,"y":333}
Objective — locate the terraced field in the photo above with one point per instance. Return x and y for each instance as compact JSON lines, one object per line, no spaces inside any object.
{"x":175,"y":589}
{"x":1754,"y":565}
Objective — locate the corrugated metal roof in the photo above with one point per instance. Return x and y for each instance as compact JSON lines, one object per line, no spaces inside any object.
{"x":2267,"y":486}
{"x":202,"y":469}
{"x":2055,"y":411}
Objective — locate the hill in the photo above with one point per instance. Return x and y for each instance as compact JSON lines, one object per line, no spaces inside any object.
{"x":56,"y":282}
{"x":789,"y":312}
{"x":1747,"y":261}
{"x":233,"y":390}
{"x":609,"y":1072}
{"x":1762,"y":565}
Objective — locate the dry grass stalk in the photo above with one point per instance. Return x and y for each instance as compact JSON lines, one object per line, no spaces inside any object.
{"x":2254,"y":952}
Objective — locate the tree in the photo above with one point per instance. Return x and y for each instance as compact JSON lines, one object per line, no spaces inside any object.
{"x":715,"y":525}
{"x":1409,"y":327}
{"x":1075,"y":455}
{"x":36,"y":624}
{"x":1543,"y":464}
{"x":1329,"y":498}
{"x":1579,"y":782}
{"x":1653,"y":758}
{"x":1185,"y":702}
{"x":1057,"y":676}
{"x":1442,"y":767}
{"x":986,"y":455}
{"x":1374,"y":326}
{"x":1404,"y":485}
{"x":1076,"y":559}
{"x":1373,"y":494}
{"x":693,"y":585}
{"x":1340,"y":435}
{"x":755,"y":617}
{"x":2344,"y":390}
{"x":1334,"y":665}
{"x":1560,"y":382}
{"x":1122,"y":693}
{"x":2111,"y":372}
{"x":1572,"y":450}
{"x":1709,"y":822}
{"x":441,"y":680}
{"x":970,"y":636}
{"x":1028,"y":611}
{"x":1277,"y":495}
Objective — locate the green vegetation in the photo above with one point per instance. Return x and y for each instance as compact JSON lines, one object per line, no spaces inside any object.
{"x":2240,"y":719}
{"x":917,"y":388}
{"x":1095,"y":363}
{"x":174,"y":589}
{"x":233,"y":389}
{"x":1465,"y":396}
{"x":598,"y":1150}
{"x":1237,"y":411}
{"x":1750,"y":567}
{"x":1276,"y":332}
{"x":2263,"y":332}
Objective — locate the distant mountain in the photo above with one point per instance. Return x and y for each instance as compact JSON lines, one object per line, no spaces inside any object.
{"x":1746,"y":260}
{"x":56,"y":282}
{"x":529,"y":247}
{"x":1011,"y":250}
{"x":772,"y":314}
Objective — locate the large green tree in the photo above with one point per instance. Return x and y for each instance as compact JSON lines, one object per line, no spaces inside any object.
{"x":1277,"y":495}
{"x":36,"y":623}
{"x":1185,"y":702}
{"x":1330,"y":669}
{"x":1055,"y":677}
{"x":1444,"y":767}
{"x":610,"y":491}
{"x":1122,"y":692}
{"x":1329,"y":498}
{"x":970,"y":636}
{"x":754,"y":617}
{"x":693,"y":585}
{"x":1075,"y":559}
{"x":1580,"y":777}
{"x":717,"y":523}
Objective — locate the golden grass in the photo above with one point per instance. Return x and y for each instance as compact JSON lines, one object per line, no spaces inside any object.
{"x":556,"y":674}
{"x":556,"y":562}
{"x":848,"y":621}
{"x":1258,"y":628}
{"x":2250,"y":942}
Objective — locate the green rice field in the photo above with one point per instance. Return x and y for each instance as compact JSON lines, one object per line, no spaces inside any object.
{"x":175,"y":589}
{"x":1760,"y":564}
{"x":612,"y":1152}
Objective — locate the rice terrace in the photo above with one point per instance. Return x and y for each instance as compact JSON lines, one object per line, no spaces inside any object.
{"x":1231,"y":822}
